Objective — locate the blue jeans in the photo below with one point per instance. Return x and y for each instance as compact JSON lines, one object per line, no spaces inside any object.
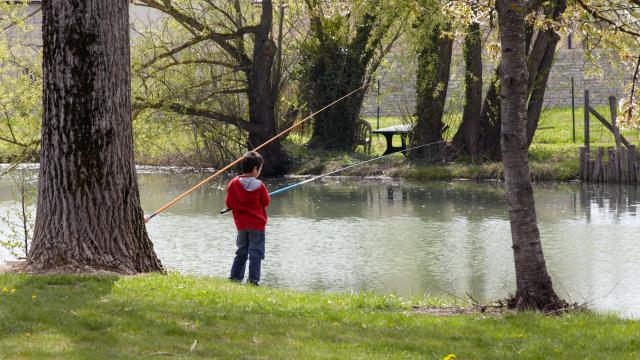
{"x":250,"y":244}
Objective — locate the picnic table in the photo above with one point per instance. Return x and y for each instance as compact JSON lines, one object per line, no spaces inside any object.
{"x":390,"y":131}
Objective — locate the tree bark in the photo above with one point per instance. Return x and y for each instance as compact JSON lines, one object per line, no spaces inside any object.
{"x":434,"y":64}
{"x":466,"y":138}
{"x":88,"y":212}
{"x":539,"y":85}
{"x":539,"y":64}
{"x":539,"y":59}
{"x":533,"y":284}
{"x":262,"y":97}
{"x":490,"y":120}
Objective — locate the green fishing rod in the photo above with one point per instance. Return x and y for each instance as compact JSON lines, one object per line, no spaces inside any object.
{"x":293,"y":186}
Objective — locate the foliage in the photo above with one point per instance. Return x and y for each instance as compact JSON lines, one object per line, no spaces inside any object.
{"x":553,"y":155}
{"x":20,"y":83}
{"x":19,"y":218}
{"x":107,"y":317}
{"x":610,"y":31}
{"x":345,"y":48}
{"x":186,"y":78}
{"x":196,"y":71}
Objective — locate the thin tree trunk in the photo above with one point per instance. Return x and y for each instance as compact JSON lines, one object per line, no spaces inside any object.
{"x":88,"y":212}
{"x":466,"y":138}
{"x":490,"y":123}
{"x":534,"y":289}
{"x":262,"y":98}
{"x":434,"y":64}
{"x":539,"y":86}
{"x":539,"y":65}
{"x":536,"y":62}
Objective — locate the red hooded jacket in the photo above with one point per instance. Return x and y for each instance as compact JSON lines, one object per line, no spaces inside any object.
{"x":248,"y":198}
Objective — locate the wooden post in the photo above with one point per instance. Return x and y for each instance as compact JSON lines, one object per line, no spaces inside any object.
{"x":581,"y":163}
{"x":587,"y":108}
{"x":624,"y":165}
{"x":598,"y":171}
{"x":631,"y":165}
{"x":613,"y":165}
{"x":616,"y":133}
{"x":592,"y":166}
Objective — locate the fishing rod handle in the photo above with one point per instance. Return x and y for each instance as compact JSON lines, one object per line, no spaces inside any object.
{"x":224,"y":211}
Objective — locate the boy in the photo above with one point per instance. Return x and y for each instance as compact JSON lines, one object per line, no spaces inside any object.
{"x":248,"y":198}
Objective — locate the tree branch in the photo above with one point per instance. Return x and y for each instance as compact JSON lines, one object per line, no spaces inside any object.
{"x":598,"y":16}
{"x":207,"y":114}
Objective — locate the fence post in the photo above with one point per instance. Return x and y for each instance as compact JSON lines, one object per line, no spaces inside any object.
{"x":616,"y":133}
{"x":573,"y":111}
{"x":631,"y":165}
{"x":613,"y":165}
{"x":598,"y":171}
{"x":587,"y":109}
{"x":378,"y":105}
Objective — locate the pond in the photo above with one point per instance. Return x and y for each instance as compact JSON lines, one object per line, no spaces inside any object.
{"x":409,"y":238}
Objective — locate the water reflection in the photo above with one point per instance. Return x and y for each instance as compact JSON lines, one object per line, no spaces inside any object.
{"x":411,"y":238}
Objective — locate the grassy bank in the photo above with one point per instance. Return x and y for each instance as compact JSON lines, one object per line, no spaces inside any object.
{"x":553,"y":154}
{"x":155,"y":316}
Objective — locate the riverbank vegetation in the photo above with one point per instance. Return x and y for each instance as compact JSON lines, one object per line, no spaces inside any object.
{"x":156,"y":316}
{"x":553,"y":155}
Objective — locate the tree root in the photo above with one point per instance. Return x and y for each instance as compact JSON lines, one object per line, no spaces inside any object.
{"x":552,"y":306}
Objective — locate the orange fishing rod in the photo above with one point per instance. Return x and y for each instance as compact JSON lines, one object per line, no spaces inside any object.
{"x":234,"y":163}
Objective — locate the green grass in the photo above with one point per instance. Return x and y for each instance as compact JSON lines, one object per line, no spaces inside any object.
{"x":553,"y":154}
{"x":154,"y":316}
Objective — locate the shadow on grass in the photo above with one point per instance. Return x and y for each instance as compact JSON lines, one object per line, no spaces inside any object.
{"x":75,"y":316}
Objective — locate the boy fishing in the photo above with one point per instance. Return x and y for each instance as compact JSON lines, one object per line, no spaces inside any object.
{"x":248,"y":198}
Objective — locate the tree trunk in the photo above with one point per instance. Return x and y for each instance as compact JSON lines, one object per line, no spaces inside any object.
{"x":539,"y":85}
{"x":434,"y":63}
{"x":88,"y":212}
{"x":534,"y":289}
{"x":338,"y":68}
{"x":539,"y":57}
{"x":539,"y":65}
{"x":335,"y":128}
{"x":262,"y":98}
{"x":466,"y":138}
{"x":490,"y":123}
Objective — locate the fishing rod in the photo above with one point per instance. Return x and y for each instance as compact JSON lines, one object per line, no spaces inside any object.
{"x":293,"y":186}
{"x":234,"y":163}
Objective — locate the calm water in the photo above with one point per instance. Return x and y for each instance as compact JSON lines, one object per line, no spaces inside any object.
{"x":411,"y":238}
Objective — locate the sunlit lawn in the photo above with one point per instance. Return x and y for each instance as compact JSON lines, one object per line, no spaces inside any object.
{"x":108,"y":317}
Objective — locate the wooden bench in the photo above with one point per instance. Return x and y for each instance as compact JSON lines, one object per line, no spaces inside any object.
{"x":390,"y":131}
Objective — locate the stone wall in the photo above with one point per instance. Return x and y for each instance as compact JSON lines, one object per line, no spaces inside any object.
{"x":606,"y":78}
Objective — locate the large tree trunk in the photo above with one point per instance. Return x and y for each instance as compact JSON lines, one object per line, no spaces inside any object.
{"x":533,"y":284}
{"x":262,"y":98}
{"x":466,"y":138}
{"x":88,"y":212}
{"x":434,"y":63}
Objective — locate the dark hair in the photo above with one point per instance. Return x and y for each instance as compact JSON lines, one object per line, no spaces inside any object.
{"x":250,"y":161}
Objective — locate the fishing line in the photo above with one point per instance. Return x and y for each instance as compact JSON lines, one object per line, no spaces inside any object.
{"x":293,"y":186}
{"x":224,"y":169}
